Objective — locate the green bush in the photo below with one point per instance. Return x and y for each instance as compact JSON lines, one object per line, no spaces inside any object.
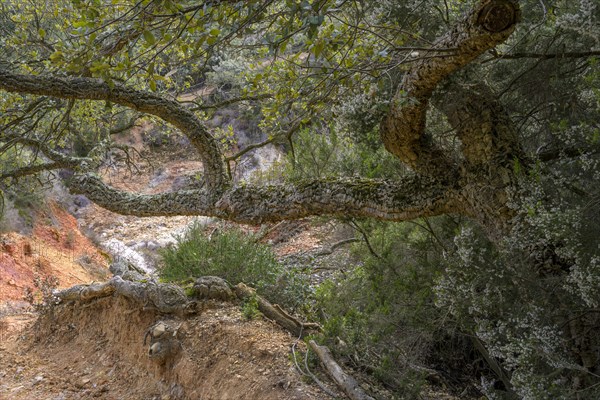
{"x":380,"y":315}
{"x":324,"y":153}
{"x":235,"y":257}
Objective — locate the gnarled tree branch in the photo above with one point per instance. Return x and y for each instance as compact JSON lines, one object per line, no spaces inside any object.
{"x":97,"y":89}
{"x":406,"y":199}
{"x":32,"y":170}
{"x":441,"y":187}
{"x":487,"y":135}
{"x":403,"y":131}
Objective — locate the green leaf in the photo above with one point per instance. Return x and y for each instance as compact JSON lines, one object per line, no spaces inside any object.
{"x":316,"y":20}
{"x":56,"y":56}
{"x":318,"y":48}
{"x":42,"y":33}
{"x":153,"y":85}
{"x":283,"y":46}
{"x":516,"y":166}
{"x":149,"y":37}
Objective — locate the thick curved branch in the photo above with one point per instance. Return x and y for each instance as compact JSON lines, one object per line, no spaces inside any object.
{"x":403,"y":131}
{"x":96,"y":89}
{"x":394,"y":201}
{"x":488,"y":137}
{"x":492,"y":154}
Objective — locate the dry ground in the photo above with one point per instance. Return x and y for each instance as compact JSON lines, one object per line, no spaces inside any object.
{"x":98,"y":351}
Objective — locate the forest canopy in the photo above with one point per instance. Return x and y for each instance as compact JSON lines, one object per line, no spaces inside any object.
{"x":483,"y":114}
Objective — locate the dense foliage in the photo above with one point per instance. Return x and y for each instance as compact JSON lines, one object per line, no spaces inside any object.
{"x":504,"y":153}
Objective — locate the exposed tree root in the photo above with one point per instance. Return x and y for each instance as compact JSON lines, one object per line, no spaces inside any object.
{"x":163,"y":297}
{"x":170,"y":299}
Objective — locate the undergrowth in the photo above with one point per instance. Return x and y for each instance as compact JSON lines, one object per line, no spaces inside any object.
{"x":236,"y":257}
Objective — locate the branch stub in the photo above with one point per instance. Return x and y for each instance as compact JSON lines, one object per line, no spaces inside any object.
{"x":497,"y":15}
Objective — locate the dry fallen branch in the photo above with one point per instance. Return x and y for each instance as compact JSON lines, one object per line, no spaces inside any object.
{"x":347,"y":383}
{"x":276,"y":313}
{"x":308,"y":373}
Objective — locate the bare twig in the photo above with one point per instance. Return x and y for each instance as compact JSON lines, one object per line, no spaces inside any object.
{"x":360,"y":230}
{"x":334,"y":246}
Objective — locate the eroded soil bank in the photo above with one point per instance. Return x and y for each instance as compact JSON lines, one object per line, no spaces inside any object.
{"x":97,"y":350}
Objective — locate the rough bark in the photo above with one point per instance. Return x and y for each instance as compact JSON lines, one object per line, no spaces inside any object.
{"x":86,"y":292}
{"x":491,"y":155}
{"x":97,"y":89}
{"x":403,"y":131}
{"x":405,"y":199}
{"x":347,"y":383}
{"x":163,"y":297}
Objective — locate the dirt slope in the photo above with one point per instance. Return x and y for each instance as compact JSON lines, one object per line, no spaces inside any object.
{"x":56,"y":247}
{"x":98,"y":351}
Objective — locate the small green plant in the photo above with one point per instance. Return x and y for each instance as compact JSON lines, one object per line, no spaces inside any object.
{"x":189,"y":291}
{"x":235,"y":257}
{"x":250,"y":309}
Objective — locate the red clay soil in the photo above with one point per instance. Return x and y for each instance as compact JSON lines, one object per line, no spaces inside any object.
{"x":56,"y":248}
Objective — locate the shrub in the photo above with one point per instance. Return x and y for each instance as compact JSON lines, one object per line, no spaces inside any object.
{"x":250,"y":309}
{"x":380,"y":315}
{"x":235,"y":257}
